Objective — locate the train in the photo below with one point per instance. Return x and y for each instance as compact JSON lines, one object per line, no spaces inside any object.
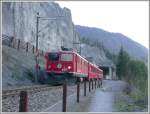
{"x":69,"y":65}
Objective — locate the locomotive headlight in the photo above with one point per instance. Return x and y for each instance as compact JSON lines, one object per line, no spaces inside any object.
{"x":59,"y":66}
{"x":69,"y":67}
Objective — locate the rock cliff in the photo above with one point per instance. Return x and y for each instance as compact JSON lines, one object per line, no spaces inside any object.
{"x":19,"y":20}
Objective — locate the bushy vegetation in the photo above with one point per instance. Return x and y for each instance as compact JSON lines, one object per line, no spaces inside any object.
{"x":122,"y":65}
{"x":134,"y":72}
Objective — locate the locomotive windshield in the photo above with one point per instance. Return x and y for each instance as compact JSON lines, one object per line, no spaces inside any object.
{"x":66,"y":57}
{"x":53,"y":56}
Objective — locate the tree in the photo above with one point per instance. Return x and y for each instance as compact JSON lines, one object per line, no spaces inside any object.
{"x":139,"y":75}
{"x":122,"y":64}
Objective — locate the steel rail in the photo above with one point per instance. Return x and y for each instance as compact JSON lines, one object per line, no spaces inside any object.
{"x":30,"y":89}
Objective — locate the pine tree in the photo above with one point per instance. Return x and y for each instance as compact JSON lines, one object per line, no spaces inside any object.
{"x":122,"y":64}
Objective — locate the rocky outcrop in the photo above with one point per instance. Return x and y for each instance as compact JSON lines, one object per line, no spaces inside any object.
{"x":19,"y":20}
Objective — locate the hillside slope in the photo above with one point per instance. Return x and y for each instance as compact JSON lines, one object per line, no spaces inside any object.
{"x":18,"y":67}
{"x":114,"y":41}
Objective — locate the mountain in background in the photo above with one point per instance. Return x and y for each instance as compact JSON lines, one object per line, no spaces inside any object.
{"x":113,"y":41}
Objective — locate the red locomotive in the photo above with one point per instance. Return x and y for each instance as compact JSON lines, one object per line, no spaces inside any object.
{"x":70,"y":65}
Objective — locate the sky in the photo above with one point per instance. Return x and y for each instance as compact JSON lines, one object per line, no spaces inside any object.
{"x":130,"y":18}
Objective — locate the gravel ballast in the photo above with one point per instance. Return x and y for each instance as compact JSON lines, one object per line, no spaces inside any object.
{"x":37,"y":101}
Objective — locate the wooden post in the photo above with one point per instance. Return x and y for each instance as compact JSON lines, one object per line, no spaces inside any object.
{"x":64,"y":104}
{"x":27,"y":46}
{"x":78,"y":91}
{"x":12,"y":44}
{"x":42,"y":52}
{"x":89,"y":85}
{"x":84,"y":87}
{"x":33,"y":49}
{"x":95,"y":83}
{"x":18,"y":44}
{"x":98,"y":83}
{"x":92,"y":83}
{"x":23,"y":106}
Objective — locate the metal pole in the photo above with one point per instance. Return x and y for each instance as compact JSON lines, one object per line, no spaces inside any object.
{"x":64,"y":96}
{"x":73,"y":38}
{"x":80,"y":47}
{"x":37,"y":29}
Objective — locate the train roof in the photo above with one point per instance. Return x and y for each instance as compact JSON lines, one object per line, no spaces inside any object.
{"x":60,"y":52}
{"x":68,"y":52}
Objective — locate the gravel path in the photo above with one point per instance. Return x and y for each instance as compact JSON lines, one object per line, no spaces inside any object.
{"x":99,"y":100}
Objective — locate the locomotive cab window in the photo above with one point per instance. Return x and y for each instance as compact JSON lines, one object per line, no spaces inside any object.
{"x":53,"y":56}
{"x":66,"y":57}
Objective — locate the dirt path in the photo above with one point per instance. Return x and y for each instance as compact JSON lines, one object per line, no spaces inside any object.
{"x":99,"y":100}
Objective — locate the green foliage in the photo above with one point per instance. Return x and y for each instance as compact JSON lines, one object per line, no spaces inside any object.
{"x":122,"y":64}
{"x":125,"y":106}
{"x":135,"y":72}
{"x":139,"y":76}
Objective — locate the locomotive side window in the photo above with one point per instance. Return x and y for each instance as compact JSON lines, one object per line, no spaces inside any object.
{"x":53,"y":57}
{"x":66,"y":57}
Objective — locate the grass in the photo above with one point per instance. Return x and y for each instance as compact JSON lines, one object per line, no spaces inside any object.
{"x":126,"y":107}
{"x":133,"y":102}
{"x":18,"y":66}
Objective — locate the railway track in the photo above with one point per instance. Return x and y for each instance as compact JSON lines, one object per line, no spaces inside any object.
{"x":30,"y":89}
